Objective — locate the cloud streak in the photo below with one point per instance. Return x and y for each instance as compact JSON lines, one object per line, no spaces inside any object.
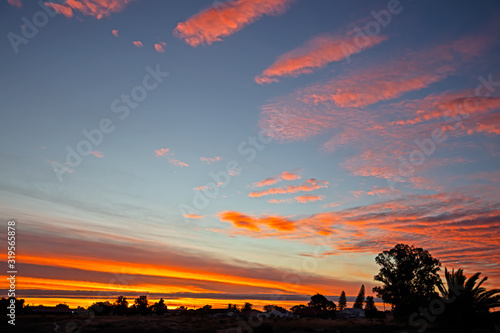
{"x":285,"y":175}
{"x":166,"y":152}
{"x":307,"y":186}
{"x":314,"y":54}
{"x":95,"y":8}
{"x":217,"y":22}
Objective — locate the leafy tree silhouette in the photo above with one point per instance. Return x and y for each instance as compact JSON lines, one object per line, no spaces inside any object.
{"x":467,"y":302}
{"x":159,"y":307}
{"x":370,"y":304}
{"x":120,"y":305}
{"x":319,"y":302}
{"x":141,"y":305}
{"x":342,"y":301}
{"x":271,"y":307}
{"x":358,"y":304}
{"x":410,"y":276}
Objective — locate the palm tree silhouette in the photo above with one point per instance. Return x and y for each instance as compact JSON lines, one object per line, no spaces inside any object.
{"x":467,"y":302}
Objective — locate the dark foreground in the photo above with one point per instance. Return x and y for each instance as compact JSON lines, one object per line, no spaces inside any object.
{"x":173,"y":324}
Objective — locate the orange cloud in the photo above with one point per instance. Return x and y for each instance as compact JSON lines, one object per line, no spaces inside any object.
{"x":95,"y":8}
{"x":241,"y":220}
{"x":214,"y":23}
{"x":309,"y":198}
{"x":160,"y":47}
{"x":115,"y":33}
{"x":315,"y":53}
{"x":285,"y":175}
{"x":137,"y":43}
{"x":308,"y":186}
{"x":455,"y":226}
{"x":193,"y":216}
{"x":16,"y":3}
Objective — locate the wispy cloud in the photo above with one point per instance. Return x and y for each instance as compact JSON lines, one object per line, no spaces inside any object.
{"x":309,"y":198}
{"x":95,"y":8}
{"x":307,"y":186}
{"x":224,"y":19}
{"x":97,"y":153}
{"x":210,"y":160}
{"x":137,"y":43}
{"x":315,"y":53}
{"x":166,"y":152}
{"x":193,"y":216}
{"x":285,"y":175}
{"x":115,"y":33}
{"x":446,"y":223}
{"x":16,"y":3}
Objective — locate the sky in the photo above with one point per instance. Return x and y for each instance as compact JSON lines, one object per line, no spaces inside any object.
{"x":214,"y":152}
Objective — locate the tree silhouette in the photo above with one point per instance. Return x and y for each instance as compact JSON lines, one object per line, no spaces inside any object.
{"x":370,"y":304}
{"x":319,"y":302}
{"x":247,"y":308}
{"x":271,"y":307}
{"x":120,"y":305}
{"x":141,"y":305}
{"x":232,"y":307}
{"x":342,"y":301}
{"x":358,"y":304}
{"x":409,"y":275}
{"x":159,"y":307}
{"x":467,"y":302}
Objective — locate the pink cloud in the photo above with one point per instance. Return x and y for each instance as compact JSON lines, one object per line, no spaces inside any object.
{"x":160,"y":47}
{"x":214,"y":23}
{"x":115,"y":33}
{"x":95,"y":8}
{"x":16,"y":3}
{"x":177,"y":163}
{"x":60,"y":9}
{"x":210,"y":160}
{"x":166,"y":152}
{"x":309,"y":198}
{"x":97,"y":154}
{"x":315,"y":53}
{"x":137,"y":43}
{"x":162,"y":152}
